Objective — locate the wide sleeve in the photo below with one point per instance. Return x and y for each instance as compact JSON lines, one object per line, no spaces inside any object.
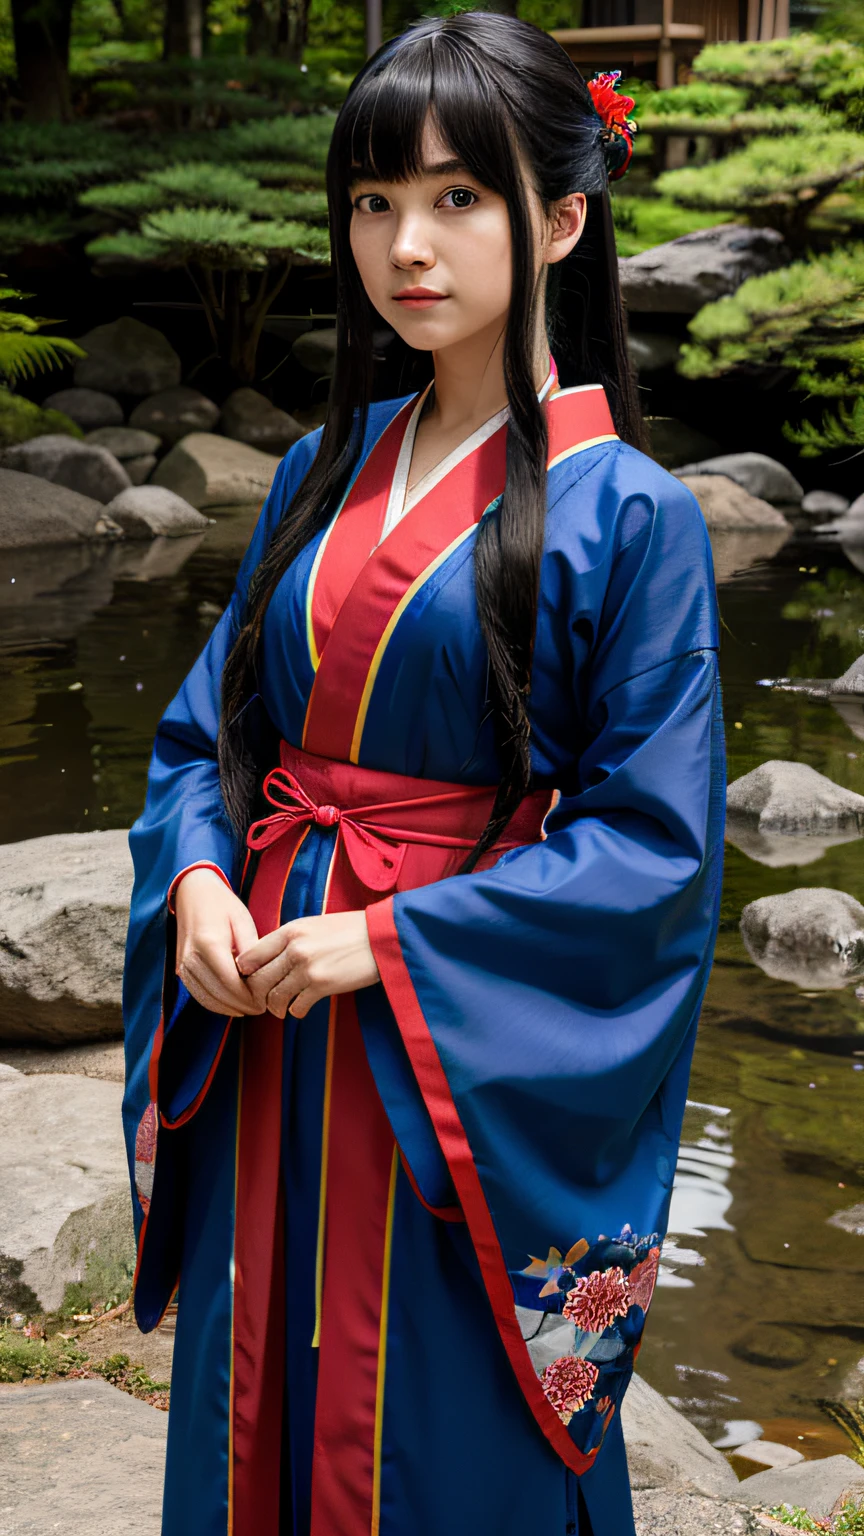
{"x":548,"y":1005}
{"x":184,"y":822}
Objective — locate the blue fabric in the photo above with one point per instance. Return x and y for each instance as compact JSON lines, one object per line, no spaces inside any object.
{"x":562,"y":989}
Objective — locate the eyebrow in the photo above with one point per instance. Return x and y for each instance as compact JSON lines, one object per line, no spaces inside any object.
{"x":439,"y":168}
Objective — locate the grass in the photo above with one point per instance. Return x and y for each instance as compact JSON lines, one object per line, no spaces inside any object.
{"x":641,"y":222}
{"x":61,"y":1356}
{"x":849,"y":1522}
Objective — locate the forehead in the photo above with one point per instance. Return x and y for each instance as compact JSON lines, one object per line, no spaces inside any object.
{"x":435,"y":157}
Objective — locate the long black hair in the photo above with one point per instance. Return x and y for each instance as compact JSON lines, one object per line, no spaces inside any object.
{"x":503,"y":95}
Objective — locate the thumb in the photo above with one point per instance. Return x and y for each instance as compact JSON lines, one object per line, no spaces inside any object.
{"x":243,"y":930}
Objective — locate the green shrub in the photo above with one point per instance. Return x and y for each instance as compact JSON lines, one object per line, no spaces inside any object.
{"x":780,"y":182}
{"x":807,"y":319}
{"x":23,"y":1359}
{"x":805,"y":62}
{"x":641,"y":222}
{"x":21,"y":419}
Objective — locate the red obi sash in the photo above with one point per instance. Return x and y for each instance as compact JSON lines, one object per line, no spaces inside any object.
{"x":392,"y":832}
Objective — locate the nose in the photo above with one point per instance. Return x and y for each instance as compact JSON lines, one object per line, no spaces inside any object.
{"x":412,"y":246}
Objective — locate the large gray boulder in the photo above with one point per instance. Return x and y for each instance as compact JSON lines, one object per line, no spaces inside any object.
{"x":82,"y":467}
{"x":681,"y":275}
{"x":812,"y":936}
{"x":64,"y":1186}
{"x":89,"y":1460}
{"x":88,"y":408}
{"x":136,"y":450}
{"x":249,"y":417}
{"x":816,"y":1486}
{"x":147,"y":511}
{"x":64,"y":907}
{"x":664,"y":1450}
{"x":173,"y":413}
{"x":316,"y":352}
{"x":792,"y":797}
{"x":824,"y":504}
{"x":126,"y":357}
{"x":754,"y":472}
{"x":211,"y":471}
{"x":726,"y":505}
{"x":36,"y":512}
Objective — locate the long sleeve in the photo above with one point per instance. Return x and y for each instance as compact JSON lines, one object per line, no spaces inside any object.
{"x":184,"y":822}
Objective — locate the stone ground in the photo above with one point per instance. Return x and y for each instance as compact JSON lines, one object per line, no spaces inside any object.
{"x":84,"y":1459}
{"x":102,"y":1059}
{"x":81,"y":1458}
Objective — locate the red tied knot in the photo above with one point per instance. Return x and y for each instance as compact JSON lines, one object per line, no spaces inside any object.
{"x":327,"y":815}
{"x":374,"y":856}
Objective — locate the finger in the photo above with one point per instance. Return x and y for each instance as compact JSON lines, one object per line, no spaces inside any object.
{"x":304,"y":1001}
{"x":223,"y":984}
{"x":243,"y":930}
{"x":203,"y":995}
{"x":263,"y":950}
{"x":223,"y":977}
{"x":261,"y":982}
{"x":280,"y":998}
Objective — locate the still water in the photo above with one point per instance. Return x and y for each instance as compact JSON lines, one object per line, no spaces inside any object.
{"x":760,"y":1311}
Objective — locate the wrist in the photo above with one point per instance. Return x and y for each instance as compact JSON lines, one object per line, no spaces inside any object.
{"x":199,"y":871}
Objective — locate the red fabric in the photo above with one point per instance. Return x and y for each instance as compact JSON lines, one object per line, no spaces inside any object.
{"x":435,"y":1088}
{"x":370,"y":582}
{"x":358,"y":1185}
{"x":392,"y":832}
{"x":357,"y":528}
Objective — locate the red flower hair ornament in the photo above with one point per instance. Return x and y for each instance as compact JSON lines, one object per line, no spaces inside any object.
{"x":619,"y":128}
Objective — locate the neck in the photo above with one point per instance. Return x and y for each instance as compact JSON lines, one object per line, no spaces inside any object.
{"x":469,"y":378}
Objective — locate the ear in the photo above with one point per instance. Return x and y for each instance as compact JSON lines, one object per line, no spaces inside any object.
{"x":566,"y":223}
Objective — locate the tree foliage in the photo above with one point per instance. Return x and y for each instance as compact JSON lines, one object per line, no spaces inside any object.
{"x":806,"y":320}
{"x":775,"y":181}
{"x":236,"y":237}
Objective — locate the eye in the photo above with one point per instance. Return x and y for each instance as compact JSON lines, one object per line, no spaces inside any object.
{"x":459,"y":197}
{"x":371,"y":202}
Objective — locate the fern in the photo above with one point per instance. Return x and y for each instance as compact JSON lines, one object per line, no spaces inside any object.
{"x":23,"y":352}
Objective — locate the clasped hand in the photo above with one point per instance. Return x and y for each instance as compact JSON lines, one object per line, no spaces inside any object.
{"x":229,"y":970}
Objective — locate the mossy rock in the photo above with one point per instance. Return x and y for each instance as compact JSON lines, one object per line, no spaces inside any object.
{"x":21,"y":419}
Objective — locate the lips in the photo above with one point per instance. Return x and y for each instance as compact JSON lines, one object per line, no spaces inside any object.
{"x":418,"y":298}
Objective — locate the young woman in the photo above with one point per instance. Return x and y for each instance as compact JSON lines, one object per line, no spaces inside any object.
{"x":432,"y":842}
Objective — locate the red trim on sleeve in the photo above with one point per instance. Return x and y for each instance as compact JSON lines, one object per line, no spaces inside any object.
{"x":199,"y":864}
{"x":433,"y":1084}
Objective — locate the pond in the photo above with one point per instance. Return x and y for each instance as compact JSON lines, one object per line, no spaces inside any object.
{"x":760,"y":1312}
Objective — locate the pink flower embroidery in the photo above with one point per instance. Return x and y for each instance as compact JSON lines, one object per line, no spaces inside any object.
{"x":602,"y":1404}
{"x":145,"y":1155}
{"x":643,"y":1278}
{"x":597,"y":1299}
{"x":568,"y":1384}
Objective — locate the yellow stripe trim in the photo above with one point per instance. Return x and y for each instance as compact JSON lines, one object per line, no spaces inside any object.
{"x":591,"y":442}
{"x":233,"y":1261}
{"x":406,"y":598}
{"x":382,"y":1349}
{"x":322,"y":1188}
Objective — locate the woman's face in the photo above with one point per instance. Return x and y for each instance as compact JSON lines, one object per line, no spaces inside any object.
{"x":433,"y":253}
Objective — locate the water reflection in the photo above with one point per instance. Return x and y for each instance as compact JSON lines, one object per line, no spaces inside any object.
{"x":759,"y":1291}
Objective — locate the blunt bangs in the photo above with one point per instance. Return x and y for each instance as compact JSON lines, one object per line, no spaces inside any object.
{"x":380,"y":130}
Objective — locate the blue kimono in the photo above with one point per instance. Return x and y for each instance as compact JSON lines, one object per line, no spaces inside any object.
{"x":416,"y":1234}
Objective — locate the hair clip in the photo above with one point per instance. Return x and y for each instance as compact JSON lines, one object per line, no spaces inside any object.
{"x":613,"y":111}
